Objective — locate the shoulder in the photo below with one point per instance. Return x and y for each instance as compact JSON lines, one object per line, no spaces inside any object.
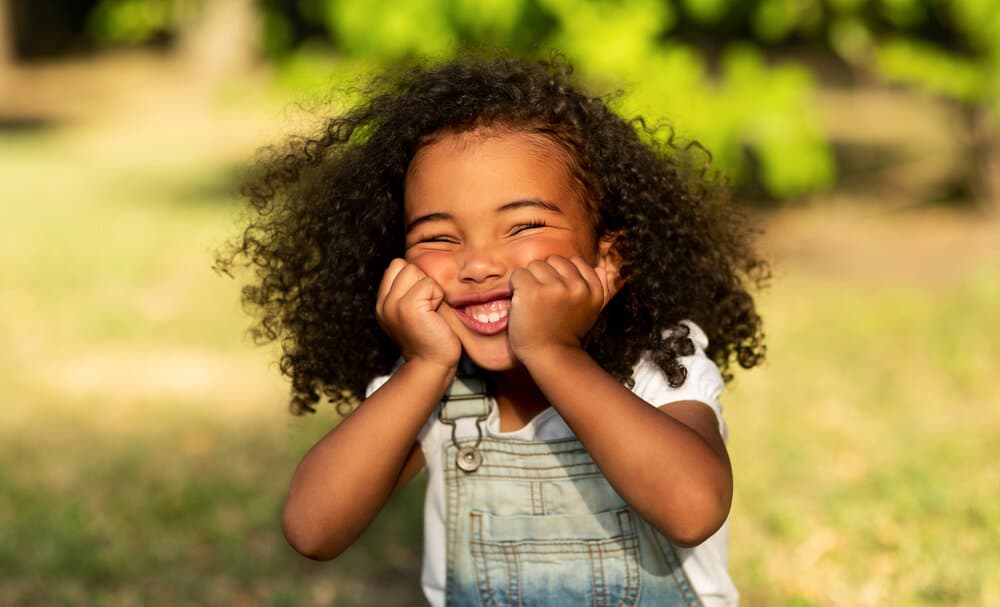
{"x":703,"y":383}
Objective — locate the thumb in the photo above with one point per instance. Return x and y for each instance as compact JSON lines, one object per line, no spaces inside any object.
{"x":428,"y":294}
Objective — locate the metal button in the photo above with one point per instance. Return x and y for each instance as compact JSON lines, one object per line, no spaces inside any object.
{"x":469,"y":459}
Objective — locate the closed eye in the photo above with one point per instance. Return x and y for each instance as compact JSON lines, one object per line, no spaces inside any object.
{"x":439,"y":238}
{"x":529,"y":225}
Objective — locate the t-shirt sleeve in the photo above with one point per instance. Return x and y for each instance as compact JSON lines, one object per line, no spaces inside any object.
{"x":380,"y":381}
{"x":375,"y":384}
{"x":703,"y":383}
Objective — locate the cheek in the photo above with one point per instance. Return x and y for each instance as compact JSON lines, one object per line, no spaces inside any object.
{"x":540,"y":249}
{"x":438,"y":265}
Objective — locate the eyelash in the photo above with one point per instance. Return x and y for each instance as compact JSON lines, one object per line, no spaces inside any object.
{"x":437,"y":239}
{"x":528,"y":225}
{"x":533,"y":223}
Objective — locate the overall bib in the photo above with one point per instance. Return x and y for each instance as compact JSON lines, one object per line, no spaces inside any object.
{"x":535,"y":523}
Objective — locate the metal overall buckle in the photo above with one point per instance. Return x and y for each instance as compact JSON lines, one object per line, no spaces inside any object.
{"x":461,"y":395}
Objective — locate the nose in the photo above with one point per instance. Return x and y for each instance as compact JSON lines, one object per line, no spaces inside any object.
{"x":480,"y":265}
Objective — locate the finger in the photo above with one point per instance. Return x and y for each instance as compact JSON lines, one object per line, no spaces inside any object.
{"x":388,"y":277}
{"x":522,"y":278}
{"x":543,"y":272}
{"x":401,"y":284}
{"x":404,"y":281}
{"x":590,"y":277}
{"x":567,"y":269}
{"x":425,"y":294}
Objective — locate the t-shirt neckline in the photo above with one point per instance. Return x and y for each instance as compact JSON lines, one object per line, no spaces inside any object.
{"x":528,"y":430}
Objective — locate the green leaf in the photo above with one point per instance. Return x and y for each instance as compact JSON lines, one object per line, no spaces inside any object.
{"x":706,"y":11}
{"x":932,"y":69}
{"x":392,"y":29}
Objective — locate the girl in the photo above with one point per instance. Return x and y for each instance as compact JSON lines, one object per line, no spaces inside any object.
{"x":544,"y":300}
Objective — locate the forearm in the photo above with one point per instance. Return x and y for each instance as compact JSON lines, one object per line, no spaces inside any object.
{"x":346,"y":478}
{"x":663,"y":468}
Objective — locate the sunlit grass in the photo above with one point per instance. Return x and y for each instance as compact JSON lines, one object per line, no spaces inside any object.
{"x":145,"y":447}
{"x":171,"y":505}
{"x":863,"y":449}
{"x":144,"y":443}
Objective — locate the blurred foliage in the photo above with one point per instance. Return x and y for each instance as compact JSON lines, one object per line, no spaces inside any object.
{"x":699,"y":63}
{"x":945,"y":48}
{"x":139,"y":21}
{"x":747,"y":113}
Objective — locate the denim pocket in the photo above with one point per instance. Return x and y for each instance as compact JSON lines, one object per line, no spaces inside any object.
{"x":554,"y":560}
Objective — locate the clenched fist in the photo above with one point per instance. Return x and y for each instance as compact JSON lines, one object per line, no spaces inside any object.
{"x":407,"y":309}
{"x":555,"y":302}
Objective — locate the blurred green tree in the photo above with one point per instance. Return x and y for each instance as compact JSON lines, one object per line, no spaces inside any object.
{"x":963,"y":67}
{"x":139,"y":21}
{"x":756,"y":119}
{"x":706,"y":65}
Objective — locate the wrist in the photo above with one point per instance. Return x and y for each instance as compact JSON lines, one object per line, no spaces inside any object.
{"x":548,"y":354}
{"x":430,"y":371}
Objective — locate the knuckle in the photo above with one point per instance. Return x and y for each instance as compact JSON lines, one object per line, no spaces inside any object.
{"x":393,"y":267}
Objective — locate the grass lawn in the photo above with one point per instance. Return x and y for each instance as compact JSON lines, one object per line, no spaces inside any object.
{"x":145,"y":446}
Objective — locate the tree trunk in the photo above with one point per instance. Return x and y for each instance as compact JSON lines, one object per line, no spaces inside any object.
{"x":6,"y":36}
{"x":984,"y":148}
{"x":222,"y":40}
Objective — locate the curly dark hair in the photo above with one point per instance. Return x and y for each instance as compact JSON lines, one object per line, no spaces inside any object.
{"x":326,"y":219}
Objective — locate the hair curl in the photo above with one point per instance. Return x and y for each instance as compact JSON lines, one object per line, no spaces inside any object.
{"x":327,"y":218}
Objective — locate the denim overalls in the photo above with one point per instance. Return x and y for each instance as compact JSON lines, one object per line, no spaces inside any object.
{"x":536,"y":523}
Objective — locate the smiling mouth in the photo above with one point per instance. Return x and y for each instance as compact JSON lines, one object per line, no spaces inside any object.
{"x":487,"y":318}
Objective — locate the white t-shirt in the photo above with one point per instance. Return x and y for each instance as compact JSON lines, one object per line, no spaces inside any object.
{"x":705,"y":565}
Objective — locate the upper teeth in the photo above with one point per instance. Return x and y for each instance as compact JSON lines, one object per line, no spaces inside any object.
{"x":491,"y":316}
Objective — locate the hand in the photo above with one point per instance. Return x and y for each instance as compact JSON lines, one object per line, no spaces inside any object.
{"x":407,"y":310}
{"x":555,"y":302}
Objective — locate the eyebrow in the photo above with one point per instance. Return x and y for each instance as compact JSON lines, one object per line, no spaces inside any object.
{"x":510,"y":206}
{"x":530,"y":202}
{"x":426,"y":218}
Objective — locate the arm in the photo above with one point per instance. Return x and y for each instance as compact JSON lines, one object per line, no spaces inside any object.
{"x":346,"y":477}
{"x":670,"y":464}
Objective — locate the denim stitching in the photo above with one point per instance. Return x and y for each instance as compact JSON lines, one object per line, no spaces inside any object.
{"x":682,"y":582}
{"x":636,"y":592}
{"x":462,"y":488}
{"x":482,"y":567}
{"x":593,"y":576}
{"x":511,"y":581}
{"x":484,"y":465}
{"x":452,"y":532}
{"x":479,"y":474}
{"x":604,"y":580}
{"x":622,"y":541}
{"x":527,"y":548}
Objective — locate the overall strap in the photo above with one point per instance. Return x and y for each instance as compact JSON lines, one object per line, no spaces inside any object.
{"x":466,"y":397}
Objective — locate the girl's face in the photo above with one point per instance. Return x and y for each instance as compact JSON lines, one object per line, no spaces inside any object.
{"x":479,"y":205}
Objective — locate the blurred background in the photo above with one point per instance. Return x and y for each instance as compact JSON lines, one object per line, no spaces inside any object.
{"x":145,"y":444}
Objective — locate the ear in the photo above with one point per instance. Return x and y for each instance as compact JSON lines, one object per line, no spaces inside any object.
{"x":609,"y":260}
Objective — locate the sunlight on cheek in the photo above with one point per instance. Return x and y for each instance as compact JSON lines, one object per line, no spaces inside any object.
{"x":436,"y":264}
{"x":542,"y":248}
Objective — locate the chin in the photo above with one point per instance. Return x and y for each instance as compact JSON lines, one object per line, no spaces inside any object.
{"x":496,"y":358}
{"x":495,"y":364}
